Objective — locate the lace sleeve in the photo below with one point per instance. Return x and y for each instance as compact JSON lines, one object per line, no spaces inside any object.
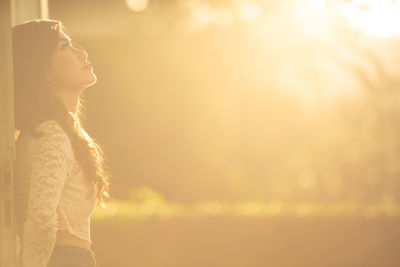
{"x":49,"y":173}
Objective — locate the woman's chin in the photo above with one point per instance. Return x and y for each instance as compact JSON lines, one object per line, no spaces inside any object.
{"x":92,"y":80}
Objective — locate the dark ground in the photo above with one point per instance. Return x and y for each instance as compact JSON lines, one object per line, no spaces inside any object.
{"x":254,"y":242}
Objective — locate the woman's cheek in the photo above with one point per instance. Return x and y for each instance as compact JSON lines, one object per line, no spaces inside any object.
{"x":69,"y":71}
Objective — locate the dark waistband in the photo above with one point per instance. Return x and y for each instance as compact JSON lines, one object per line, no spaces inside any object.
{"x":74,"y":249}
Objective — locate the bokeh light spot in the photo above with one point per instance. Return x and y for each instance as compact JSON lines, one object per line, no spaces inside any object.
{"x":137,"y":5}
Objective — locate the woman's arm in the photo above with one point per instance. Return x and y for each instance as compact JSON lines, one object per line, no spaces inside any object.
{"x":49,"y":173}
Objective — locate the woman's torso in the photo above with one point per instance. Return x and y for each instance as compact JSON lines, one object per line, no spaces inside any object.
{"x":78,"y":198}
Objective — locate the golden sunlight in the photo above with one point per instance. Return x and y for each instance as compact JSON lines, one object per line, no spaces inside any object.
{"x":317,"y":4}
{"x":234,"y":133}
{"x":249,"y":11}
{"x":377,"y":18}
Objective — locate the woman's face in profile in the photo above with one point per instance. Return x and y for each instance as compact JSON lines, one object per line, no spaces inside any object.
{"x":69,"y":68}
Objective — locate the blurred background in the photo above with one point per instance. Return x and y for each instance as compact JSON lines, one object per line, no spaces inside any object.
{"x":244,"y":132}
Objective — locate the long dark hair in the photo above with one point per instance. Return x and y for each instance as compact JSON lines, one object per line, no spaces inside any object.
{"x":34,"y":42}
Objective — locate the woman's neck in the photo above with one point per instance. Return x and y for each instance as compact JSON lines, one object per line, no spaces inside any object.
{"x":69,"y":98}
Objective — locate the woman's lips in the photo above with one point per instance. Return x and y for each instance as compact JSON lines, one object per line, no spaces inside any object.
{"x":89,"y":65}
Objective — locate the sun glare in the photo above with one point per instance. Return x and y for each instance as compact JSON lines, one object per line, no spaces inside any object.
{"x":317,"y":4}
{"x":377,"y":18}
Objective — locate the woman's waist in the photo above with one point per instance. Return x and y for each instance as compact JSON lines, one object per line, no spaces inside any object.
{"x":64,"y":237}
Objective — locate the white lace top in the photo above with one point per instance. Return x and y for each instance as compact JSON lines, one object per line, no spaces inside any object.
{"x":59,"y":194}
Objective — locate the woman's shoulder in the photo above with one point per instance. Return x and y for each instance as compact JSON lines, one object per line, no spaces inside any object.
{"x":49,"y":125}
{"x":51,"y":130}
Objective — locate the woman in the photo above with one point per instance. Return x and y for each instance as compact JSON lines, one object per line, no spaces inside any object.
{"x":60,"y":172}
